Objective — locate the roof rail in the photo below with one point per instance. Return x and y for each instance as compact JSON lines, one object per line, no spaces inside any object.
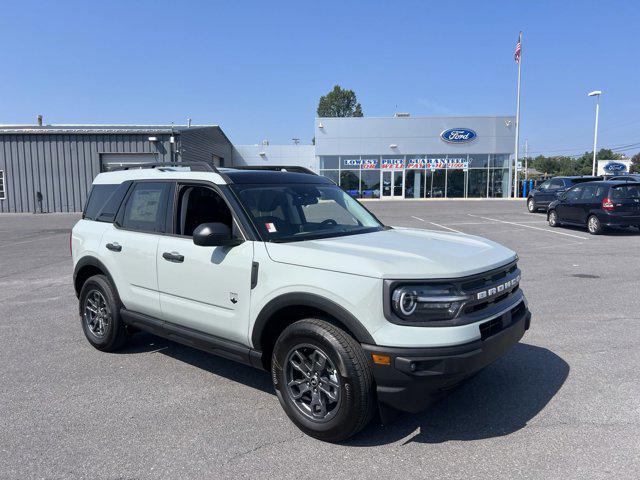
{"x":277,"y":168}
{"x":194,"y":166}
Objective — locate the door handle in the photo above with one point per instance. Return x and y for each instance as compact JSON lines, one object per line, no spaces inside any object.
{"x":114,"y":247}
{"x":173,"y":257}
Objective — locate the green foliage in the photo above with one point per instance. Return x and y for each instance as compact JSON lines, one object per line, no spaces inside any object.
{"x":635,"y":163}
{"x":339,"y":103}
{"x":560,"y":165}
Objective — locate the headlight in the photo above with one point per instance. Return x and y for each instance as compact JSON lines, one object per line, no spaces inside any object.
{"x":426,"y":302}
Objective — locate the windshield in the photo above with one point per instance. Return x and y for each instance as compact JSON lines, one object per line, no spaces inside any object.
{"x":292,"y":212}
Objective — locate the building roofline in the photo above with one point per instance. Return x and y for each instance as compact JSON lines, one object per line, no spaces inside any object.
{"x":98,"y":128}
{"x":419,"y":117}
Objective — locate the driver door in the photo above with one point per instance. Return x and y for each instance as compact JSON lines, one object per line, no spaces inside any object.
{"x":204,"y":288}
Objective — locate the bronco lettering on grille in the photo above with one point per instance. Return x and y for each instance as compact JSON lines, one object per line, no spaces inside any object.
{"x":498,"y":288}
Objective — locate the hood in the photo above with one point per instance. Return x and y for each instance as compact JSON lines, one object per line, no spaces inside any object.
{"x":400,"y":253}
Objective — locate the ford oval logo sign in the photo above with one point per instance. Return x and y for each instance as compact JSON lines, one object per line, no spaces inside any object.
{"x":615,"y":167}
{"x":458,"y":135}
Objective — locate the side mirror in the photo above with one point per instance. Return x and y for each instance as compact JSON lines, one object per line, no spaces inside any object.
{"x":214,"y":235}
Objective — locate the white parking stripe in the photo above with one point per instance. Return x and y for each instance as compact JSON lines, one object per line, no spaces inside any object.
{"x":417,"y":218}
{"x":447,"y":228}
{"x":529,"y":226}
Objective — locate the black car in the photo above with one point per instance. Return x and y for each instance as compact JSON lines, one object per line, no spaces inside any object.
{"x":597,"y":205}
{"x":631,"y":177}
{"x":547,"y":192}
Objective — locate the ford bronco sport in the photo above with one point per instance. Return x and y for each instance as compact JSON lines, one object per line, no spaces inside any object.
{"x":284,"y":271}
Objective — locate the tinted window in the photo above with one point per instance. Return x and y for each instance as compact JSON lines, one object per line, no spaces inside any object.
{"x":589,"y":192}
{"x":545,"y":185}
{"x":145,"y":207}
{"x":625,"y":192}
{"x":574,"y":194}
{"x":98,"y":199}
{"x":556,"y":184}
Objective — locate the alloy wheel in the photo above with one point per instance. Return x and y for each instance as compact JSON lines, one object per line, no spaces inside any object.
{"x":553,"y":220}
{"x":97,"y":316}
{"x":531,"y":206}
{"x":593,"y":224}
{"x":312,"y":382}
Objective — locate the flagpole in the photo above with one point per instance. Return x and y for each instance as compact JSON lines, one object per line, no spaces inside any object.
{"x":515,"y":162}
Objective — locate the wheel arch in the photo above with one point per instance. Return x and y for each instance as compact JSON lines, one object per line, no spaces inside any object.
{"x":285,"y":309}
{"x":87,"y":267}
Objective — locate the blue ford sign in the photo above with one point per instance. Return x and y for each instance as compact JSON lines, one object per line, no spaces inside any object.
{"x":615,"y":167}
{"x":458,"y":135}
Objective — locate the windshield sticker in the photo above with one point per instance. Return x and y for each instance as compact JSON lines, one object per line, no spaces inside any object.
{"x":271,"y":228}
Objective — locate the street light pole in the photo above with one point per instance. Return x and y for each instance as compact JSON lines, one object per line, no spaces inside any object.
{"x":595,"y":93}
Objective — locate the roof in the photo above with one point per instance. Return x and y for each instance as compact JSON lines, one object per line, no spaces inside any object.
{"x":265,"y":177}
{"x":97,"y":129}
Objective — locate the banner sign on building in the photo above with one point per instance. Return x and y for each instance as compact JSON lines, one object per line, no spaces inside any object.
{"x":364,"y":163}
{"x":614,"y":167}
{"x":416,"y":163}
{"x":451,"y":163}
{"x":392,"y":163}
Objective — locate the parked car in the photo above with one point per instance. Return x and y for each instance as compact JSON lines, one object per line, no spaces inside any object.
{"x":541,"y":196}
{"x":631,"y":177}
{"x":286,"y":272}
{"x":597,"y":205}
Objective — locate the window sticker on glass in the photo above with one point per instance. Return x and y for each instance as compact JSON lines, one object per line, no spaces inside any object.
{"x":271,"y":228}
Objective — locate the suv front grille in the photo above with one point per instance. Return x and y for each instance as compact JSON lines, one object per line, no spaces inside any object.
{"x":490,"y":328}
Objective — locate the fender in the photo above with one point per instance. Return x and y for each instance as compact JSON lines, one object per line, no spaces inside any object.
{"x":90,"y":260}
{"x":308,"y":300}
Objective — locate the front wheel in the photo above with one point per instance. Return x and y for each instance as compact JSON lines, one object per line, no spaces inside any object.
{"x":594,"y":226}
{"x":531,"y":206}
{"x":323,"y":380}
{"x":553,"y":219}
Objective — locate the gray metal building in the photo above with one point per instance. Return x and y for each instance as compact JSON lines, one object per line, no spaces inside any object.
{"x":50,"y":168}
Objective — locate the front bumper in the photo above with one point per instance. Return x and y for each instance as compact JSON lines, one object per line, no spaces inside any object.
{"x":416,"y":377}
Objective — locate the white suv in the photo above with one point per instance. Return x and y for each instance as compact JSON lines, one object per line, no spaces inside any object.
{"x":286,"y":272}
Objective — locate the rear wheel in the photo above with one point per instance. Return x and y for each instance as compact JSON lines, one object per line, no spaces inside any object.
{"x":531,"y":206}
{"x":323,"y":380}
{"x":553,"y":219}
{"x":100,"y":315}
{"x":594,"y":226}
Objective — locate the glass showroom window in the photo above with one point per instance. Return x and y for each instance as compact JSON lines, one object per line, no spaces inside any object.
{"x":456,"y":179}
{"x":328,"y":162}
{"x":2,"y":190}
{"x":332,"y":175}
{"x":498,"y":182}
{"x":350,"y":182}
{"x":477,"y":182}
{"x":414,"y":176}
{"x":370,"y":177}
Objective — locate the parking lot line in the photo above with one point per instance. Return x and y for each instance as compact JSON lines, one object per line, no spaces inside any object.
{"x":447,"y":228}
{"x":417,"y":218}
{"x":529,"y":226}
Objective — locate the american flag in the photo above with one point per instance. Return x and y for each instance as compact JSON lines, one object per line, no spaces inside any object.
{"x":516,"y":54}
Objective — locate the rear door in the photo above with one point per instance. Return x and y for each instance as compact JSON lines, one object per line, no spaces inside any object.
{"x":589,"y":201}
{"x":129,"y":246}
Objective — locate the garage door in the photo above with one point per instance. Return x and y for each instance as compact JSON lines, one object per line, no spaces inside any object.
{"x":112,"y":161}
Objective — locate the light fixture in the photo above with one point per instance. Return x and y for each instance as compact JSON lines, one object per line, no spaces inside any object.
{"x":153,"y":139}
{"x":594,"y":93}
{"x":262,"y":154}
{"x":320,"y":125}
{"x":393,"y":145}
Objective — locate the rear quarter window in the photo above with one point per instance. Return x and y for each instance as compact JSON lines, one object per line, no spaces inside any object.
{"x":98,"y":198}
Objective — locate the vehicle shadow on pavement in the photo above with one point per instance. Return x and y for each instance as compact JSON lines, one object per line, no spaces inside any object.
{"x":238,"y":372}
{"x":498,"y":401}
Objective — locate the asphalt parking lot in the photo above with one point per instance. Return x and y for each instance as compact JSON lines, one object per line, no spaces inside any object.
{"x":565,"y":403}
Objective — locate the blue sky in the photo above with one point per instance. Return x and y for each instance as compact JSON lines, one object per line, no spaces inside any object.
{"x":258,"y":68}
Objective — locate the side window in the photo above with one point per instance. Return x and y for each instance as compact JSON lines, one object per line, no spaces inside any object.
{"x":602,"y":192}
{"x":545,"y":185}
{"x":145,"y":207}
{"x":197,"y":205}
{"x":556,"y":184}
{"x":574,"y":194}
{"x":98,"y":198}
{"x":589,"y":192}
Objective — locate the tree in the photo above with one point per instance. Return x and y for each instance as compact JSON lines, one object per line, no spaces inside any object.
{"x":339,"y":103}
{"x":635,"y":163}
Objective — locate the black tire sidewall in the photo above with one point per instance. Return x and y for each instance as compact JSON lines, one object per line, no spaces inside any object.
{"x":347,"y":416}
{"x":113,"y":336}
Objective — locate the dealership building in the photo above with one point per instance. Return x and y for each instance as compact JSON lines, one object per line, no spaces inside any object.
{"x":49,"y":168}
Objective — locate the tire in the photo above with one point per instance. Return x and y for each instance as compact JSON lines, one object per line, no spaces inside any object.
{"x":104,"y":330}
{"x":531,"y":206}
{"x":301,"y":384}
{"x":594,"y":226}
{"x":553,"y":219}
